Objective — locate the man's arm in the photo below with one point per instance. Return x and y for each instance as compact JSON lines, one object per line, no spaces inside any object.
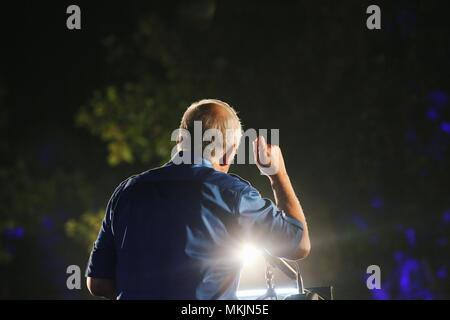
{"x":269,"y":160}
{"x":105,"y":288}
{"x":101,"y":269}
{"x":287,"y":201}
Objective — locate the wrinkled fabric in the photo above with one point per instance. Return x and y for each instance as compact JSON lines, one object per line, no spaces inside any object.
{"x":174,"y":233}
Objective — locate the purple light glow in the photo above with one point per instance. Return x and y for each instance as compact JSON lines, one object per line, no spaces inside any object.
{"x":432,"y":114}
{"x":446,"y":217}
{"x":410,"y":235}
{"x":426,"y":295}
{"x":407,"y":268}
{"x":359,"y":222}
{"x":380,"y":294}
{"x":438,"y":98}
{"x":442,"y":273}
{"x":445,"y":126}
{"x":15,"y":233}
{"x":377,"y":203}
{"x":399,"y":256}
{"x":442,"y":242}
{"x":47,"y":223}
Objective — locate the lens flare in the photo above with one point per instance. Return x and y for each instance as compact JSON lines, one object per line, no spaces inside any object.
{"x":249,"y":254}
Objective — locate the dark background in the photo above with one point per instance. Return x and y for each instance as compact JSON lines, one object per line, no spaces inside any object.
{"x":363,"y":115}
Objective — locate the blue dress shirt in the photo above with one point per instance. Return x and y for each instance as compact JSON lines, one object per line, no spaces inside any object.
{"x":173,"y":233}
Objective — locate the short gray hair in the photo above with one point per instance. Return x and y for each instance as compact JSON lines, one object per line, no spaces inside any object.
{"x":213,"y":114}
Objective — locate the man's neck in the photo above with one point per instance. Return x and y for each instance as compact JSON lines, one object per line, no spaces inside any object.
{"x":221,"y":168}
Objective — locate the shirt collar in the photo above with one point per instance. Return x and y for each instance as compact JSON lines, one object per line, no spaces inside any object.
{"x":196,"y":161}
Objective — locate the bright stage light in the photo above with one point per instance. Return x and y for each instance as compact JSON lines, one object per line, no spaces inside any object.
{"x":251,"y":294}
{"x":249,"y":254}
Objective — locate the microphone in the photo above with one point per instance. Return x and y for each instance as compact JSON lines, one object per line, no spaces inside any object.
{"x":281,"y":264}
{"x":294,"y":274}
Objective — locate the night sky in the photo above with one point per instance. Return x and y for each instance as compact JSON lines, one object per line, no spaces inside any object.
{"x":364,"y":119}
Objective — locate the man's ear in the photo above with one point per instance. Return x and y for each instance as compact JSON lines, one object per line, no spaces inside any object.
{"x":228,"y":156}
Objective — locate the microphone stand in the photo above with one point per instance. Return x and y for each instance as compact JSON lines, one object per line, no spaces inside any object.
{"x":292,"y":273}
{"x":270,"y":293}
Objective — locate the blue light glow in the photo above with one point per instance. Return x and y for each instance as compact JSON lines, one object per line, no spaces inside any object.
{"x":432,"y":114}
{"x":445,"y":126}
{"x":438,"y":98}
{"x":15,"y":233}
{"x":446,"y":217}
{"x":377,"y":203}
{"x":47,"y":223}
{"x":410,"y":235}
{"x":408,"y":268}
{"x":380,"y":294}
{"x":442,"y":273}
{"x":359,"y":222}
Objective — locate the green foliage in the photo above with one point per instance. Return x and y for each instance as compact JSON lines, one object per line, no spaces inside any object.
{"x":133,"y":123}
{"x":135,"y":118}
{"x":29,"y":198}
{"x":84,"y":229}
{"x":30,"y":195}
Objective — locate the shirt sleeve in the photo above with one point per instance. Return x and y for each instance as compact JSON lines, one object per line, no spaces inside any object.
{"x":266,"y":225}
{"x":102,"y":261}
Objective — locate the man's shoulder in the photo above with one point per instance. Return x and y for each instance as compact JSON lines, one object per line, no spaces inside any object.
{"x":145,"y":176}
{"x":208,"y":176}
{"x":136,"y":179}
{"x":240,"y":179}
{"x":227,"y":181}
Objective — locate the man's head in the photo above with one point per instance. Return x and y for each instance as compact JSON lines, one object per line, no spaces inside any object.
{"x":216,"y":117}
